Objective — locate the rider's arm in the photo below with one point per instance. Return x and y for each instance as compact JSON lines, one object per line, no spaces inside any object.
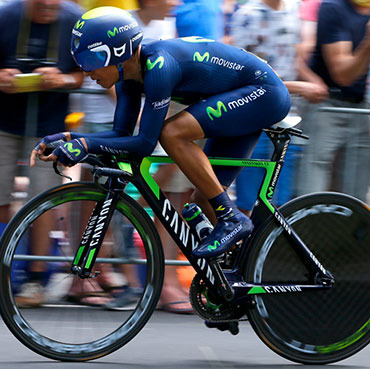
{"x":143,"y":144}
{"x":159,"y":82}
{"x":126,"y":113}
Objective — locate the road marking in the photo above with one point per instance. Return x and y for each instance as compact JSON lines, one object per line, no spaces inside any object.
{"x":213,"y":359}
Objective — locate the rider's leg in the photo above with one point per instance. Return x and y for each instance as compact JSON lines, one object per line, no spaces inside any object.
{"x":222,"y":117}
{"x":177,"y":138}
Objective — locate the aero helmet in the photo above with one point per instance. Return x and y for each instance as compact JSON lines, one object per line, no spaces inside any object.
{"x":104,"y":36}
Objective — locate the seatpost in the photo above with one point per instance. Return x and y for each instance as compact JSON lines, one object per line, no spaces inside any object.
{"x":281,"y":142}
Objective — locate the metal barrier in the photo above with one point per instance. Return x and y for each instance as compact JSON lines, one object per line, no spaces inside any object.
{"x":31,"y":121}
{"x":344,"y":110}
{"x":60,"y":259}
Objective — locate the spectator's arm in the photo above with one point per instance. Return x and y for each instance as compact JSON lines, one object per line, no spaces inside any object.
{"x":305,"y":49}
{"x":312,"y":92}
{"x":73,"y":80}
{"x":346,"y":66}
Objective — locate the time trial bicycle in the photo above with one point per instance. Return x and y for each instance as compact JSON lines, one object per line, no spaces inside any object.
{"x":301,"y":279}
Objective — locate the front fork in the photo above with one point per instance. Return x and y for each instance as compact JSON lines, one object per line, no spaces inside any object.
{"x":94,"y":234}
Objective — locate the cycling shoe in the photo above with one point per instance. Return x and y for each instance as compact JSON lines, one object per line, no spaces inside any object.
{"x":225,"y":234}
{"x":232,"y":326}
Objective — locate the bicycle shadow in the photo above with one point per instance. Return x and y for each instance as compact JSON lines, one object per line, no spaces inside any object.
{"x":184,"y":364}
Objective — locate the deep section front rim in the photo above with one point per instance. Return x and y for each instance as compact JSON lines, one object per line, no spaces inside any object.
{"x":80,"y":332}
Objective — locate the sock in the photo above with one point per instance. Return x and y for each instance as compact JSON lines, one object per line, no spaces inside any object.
{"x":223,"y":206}
{"x":39,"y":277}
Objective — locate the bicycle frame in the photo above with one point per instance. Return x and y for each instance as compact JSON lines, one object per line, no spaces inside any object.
{"x":229,"y":283}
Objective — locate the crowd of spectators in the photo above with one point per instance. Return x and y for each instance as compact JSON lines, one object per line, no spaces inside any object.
{"x":320,"y":48}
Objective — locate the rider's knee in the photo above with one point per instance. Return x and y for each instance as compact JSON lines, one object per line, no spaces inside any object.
{"x":169,"y":135}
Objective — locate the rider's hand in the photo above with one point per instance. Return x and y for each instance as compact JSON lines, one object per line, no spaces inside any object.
{"x":51,"y":142}
{"x":70,"y":153}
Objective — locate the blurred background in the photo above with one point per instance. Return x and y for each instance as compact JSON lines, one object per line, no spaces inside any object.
{"x":291,"y":35}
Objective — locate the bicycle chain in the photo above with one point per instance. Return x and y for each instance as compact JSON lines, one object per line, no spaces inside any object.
{"x":205,"y":308}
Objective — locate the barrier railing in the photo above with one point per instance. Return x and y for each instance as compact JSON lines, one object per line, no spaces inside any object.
{"x":31,"y":120}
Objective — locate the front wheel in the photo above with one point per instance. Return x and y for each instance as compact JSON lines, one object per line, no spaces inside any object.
{"x":70,"y":321}
{"x":323,"y":326}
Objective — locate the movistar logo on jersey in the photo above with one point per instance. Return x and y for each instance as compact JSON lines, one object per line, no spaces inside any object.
{"x":216,"y":112}
{"x":70,"y":148}
{"x":196,"y":39}
{"x":150,"y":65}
{"x":200,"y":58}
{"x":226,"y":63}
{"x":256,"y":94}
{"x":79,"y":24}
{"x":214,"y":246}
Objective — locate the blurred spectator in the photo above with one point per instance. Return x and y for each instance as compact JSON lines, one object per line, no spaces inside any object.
{"x":154,"y":17}
{"x":200,"y":18}
{"x":341,"y":58}
{"x":308,"y":14}
{"x":39,"y":43}
{"x":270,"y":29}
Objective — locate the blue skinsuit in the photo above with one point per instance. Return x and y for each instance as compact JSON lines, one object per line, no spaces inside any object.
{"x":233,"y":94}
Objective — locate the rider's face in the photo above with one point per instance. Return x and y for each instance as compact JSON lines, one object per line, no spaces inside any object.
{"x":44,"y":11}
{"x":105,"y":77}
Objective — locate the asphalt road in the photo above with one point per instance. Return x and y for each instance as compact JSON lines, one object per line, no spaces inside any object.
{"x":171,"y":341}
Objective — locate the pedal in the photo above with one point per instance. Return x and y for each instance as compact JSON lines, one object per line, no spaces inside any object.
{"x":83,"y":274}
{"x":232,"y":327}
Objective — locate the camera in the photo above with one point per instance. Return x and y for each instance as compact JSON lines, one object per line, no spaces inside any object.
{"x":28,"y":65}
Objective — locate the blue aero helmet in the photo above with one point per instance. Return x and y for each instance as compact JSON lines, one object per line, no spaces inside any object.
{"x":104,"y":36}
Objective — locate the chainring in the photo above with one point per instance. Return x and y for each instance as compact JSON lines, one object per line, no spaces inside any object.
{"x":204,"y":306}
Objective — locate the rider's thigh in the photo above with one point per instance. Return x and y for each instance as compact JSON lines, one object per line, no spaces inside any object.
{"x":182,"y":126}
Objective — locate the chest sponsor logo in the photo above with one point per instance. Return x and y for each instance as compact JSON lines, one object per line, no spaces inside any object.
{"x":200,"y":58}
{"x":197,"y":56}
{"x":226,"y":63}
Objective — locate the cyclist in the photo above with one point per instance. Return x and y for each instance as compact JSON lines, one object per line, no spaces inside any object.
{"x":231,"y":95}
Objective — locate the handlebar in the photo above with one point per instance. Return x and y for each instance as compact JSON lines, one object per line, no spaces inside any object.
{"x":100,"y":169}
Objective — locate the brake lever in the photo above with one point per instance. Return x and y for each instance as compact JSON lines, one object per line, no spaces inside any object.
{"x":57,"y":171}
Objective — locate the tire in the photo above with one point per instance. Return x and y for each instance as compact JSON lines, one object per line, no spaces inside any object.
{"x":316,"y":327}
{"x":66,"y":328}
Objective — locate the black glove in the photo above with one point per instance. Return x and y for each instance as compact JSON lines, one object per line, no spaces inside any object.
{"x":52,"y":141}
{"x":71,"y":153}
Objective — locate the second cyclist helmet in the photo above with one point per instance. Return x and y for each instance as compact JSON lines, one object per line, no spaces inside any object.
{"x":104,"y":36}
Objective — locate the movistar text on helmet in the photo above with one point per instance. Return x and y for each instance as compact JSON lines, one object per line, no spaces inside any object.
{"x":126,"y":27}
